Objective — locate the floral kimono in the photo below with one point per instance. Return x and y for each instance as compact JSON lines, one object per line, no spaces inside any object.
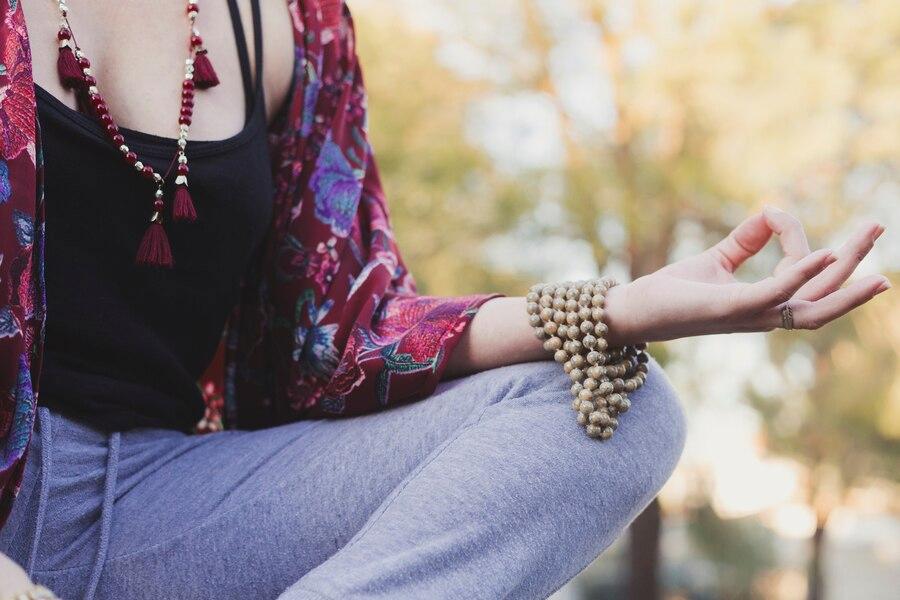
{"x":329,"y":323}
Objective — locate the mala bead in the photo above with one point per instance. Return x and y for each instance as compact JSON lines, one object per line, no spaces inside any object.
{"x":568,"y":316}
{"x":75,"y":72}
{"x":553,"y":344}
{"x":595,"y":372}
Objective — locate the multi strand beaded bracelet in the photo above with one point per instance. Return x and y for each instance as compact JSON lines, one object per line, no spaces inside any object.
{"x":569,"y":318}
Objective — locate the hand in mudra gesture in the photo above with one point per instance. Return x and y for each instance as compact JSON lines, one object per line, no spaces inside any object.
{"x":700,"y":294}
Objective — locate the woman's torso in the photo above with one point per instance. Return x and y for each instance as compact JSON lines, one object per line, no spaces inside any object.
{"x":125,"y":344}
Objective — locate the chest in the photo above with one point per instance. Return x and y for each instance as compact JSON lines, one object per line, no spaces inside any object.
{"x":137,"y":50}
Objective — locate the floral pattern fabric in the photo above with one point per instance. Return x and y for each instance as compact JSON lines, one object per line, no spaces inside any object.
{"x":329,"y":324}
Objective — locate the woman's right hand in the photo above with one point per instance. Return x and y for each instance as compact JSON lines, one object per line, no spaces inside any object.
{"x":699,"y":295}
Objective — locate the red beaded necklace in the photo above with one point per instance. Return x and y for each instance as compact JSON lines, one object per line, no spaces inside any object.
{"x":75,"y":73}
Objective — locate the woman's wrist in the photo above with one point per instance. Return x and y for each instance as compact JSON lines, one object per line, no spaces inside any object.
{"x":498,"y":335}
{"x":622,"y":331}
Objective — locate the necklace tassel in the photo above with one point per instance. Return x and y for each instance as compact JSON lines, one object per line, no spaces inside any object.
{"x":204,"y":73}
{"x":69,"y":71}
{"x":154,"y":250}
{"x":183,"y":207}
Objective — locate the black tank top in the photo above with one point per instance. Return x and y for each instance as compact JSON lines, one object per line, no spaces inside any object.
{"x":125,"y":344}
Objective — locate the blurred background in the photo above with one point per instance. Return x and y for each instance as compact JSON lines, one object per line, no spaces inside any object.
{"x":525,"y":140}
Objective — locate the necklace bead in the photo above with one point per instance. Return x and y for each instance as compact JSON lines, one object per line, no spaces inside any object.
{"x":75,"y":72}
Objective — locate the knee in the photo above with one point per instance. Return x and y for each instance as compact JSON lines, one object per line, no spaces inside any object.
{"x":573,"y":488}
{"x":618,"y":477}
{"x":652,"y":433}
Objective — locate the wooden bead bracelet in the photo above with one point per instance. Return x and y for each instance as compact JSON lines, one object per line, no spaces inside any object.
{"x":569,"y":318}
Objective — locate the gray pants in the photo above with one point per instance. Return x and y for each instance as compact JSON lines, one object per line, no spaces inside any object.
{"x":487,"y":489}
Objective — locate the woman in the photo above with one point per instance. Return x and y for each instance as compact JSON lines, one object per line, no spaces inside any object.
{"x":486,"y":488}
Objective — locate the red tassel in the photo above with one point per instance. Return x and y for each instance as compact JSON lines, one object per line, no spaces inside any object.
{"x":69,"y":71}
{"x":204,"y":74}
{"x":154,"y":250}
{"x":183,"y":208}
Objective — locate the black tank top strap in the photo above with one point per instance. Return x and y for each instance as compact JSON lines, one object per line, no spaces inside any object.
{"x":257,"y":42}
{"x":252,"y":85}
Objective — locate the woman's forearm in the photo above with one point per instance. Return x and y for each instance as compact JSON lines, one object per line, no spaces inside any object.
{"x":500,"y":335}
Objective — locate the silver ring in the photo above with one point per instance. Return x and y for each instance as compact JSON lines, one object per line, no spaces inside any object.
{"x":787,"y":317}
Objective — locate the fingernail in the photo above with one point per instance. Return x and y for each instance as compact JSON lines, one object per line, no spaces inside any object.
{"x":884,"y":286}
{"x":878,"y":231}
{"x":773,"y":209}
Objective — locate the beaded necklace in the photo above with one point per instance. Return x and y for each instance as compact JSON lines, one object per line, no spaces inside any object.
{"x":75,"y":73}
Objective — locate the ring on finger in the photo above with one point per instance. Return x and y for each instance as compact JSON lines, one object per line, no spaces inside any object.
{"x":787,"y":317}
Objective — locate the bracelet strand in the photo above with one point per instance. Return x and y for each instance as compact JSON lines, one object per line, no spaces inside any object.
{"x":569,"y":318}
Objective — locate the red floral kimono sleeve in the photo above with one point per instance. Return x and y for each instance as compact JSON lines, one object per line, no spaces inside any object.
{"x":335,"y":325}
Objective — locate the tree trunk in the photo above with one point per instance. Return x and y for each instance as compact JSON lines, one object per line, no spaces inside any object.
{"x":815,"y":579}
{"x":643,"y":576}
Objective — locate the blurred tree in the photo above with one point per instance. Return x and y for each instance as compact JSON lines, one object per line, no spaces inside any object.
{"x":715,"y":107}
{"x":445,"y":197}
{"x":844,"y":423}
{"x":740,"y":548}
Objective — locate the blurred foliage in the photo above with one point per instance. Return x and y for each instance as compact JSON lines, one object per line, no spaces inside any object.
{"x":739,"y":548}
{"x":716,"y":108}
{"x":445,"y":197}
